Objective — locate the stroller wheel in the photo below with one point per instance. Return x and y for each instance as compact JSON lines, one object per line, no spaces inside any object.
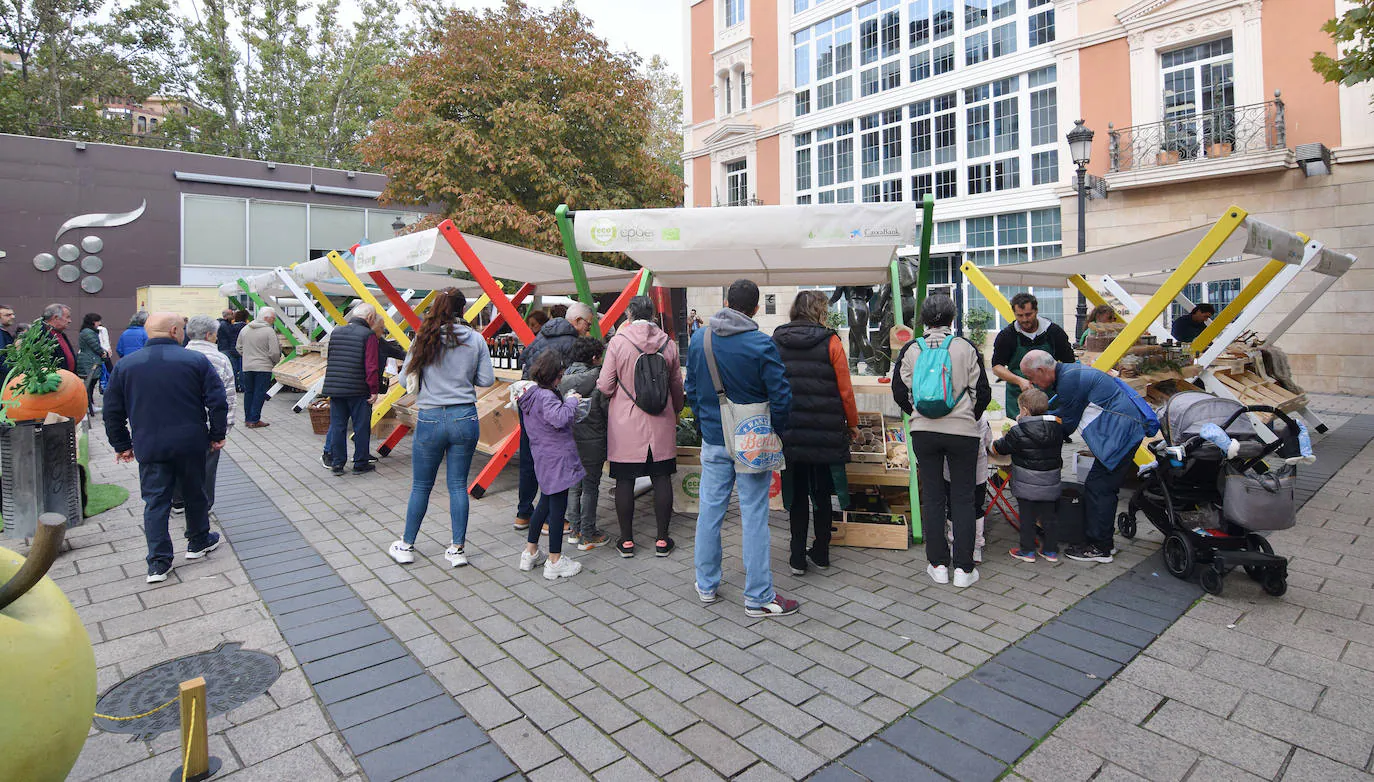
{"x":1178,"y":556}
{"x":1261,"y":544}
{"x":1275,"y":584}
{"x":1125,"y":524}
{"x":1211,"y":581}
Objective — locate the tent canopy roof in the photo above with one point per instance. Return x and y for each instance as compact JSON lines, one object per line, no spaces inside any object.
{"x":549,"y":273}
{"x":830,"y":244}
{"x":1143,"y":266}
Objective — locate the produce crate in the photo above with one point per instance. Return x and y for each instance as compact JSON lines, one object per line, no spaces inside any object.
{"x":897,"y":456}
{"x":871,"y":530}
{"x":1251,"y":389}
{"x":301,"y":372}
{"x":870,"y":447}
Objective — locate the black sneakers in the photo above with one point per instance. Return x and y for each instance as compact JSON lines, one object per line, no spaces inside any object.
{"x":1088,"y":552}
{"x":359,"y":469}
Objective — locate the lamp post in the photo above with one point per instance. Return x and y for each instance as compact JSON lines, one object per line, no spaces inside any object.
{"x":1080,"y":149}
{"x":398,"y":225}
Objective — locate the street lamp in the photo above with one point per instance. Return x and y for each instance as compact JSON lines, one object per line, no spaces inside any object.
{"x":1081,"y":149}
{"x":398,"y":225}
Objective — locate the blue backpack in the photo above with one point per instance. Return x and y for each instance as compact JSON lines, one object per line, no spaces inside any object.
{"x":932,"y":380}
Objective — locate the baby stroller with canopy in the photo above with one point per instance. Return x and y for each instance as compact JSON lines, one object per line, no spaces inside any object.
{"x":1212,"y":493}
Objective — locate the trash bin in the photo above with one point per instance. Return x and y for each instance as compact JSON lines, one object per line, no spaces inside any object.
{"x":40,"y":474}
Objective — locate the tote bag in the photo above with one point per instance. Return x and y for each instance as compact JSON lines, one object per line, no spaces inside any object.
{"x":748,"y":429}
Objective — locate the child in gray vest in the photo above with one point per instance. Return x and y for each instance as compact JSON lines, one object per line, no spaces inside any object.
{"x":1035,"y":445}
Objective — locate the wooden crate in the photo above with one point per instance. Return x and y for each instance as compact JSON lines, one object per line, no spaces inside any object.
{"x":876,"y":453}
{"x":1251,"y":389}
{"x":857,"y":530}
{"x":301,"y":372}
{"x":495,"y":419}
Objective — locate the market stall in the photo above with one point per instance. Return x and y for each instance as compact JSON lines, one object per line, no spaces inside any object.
{"x":843,"y":244}
{"x":1227,"y":358}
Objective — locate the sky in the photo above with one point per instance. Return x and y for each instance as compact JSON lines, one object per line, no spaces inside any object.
{"x":647,"y":27}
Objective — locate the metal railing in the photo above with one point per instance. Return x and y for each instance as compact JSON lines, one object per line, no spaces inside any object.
{"x":1221,"y":133}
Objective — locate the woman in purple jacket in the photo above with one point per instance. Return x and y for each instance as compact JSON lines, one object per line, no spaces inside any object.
{"x":548,"y":419}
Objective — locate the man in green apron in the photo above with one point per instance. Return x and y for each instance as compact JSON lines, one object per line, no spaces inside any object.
{"x":1028,"y":332}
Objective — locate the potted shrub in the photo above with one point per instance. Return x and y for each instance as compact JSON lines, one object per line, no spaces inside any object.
{"x":977,"y":322}
{"x":35,"y":386}
{"x":995,"y":412}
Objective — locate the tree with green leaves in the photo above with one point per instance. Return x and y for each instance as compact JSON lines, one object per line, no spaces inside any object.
{"x":665,"y":140}
{"x":1353,"y":34}
{"x":509,"y":113}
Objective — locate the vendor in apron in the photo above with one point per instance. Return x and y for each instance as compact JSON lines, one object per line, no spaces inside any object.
{"x":1028,"y":332}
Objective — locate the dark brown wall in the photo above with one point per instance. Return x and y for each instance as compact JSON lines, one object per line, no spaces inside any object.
{"x":45,"y":182}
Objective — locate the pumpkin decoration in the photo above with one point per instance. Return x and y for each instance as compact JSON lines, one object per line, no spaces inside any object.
{"x":35,"y":386}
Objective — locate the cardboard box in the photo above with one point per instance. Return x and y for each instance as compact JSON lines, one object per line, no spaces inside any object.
{"x":873,"y":450}
{"x":687,"y":486}
{"x":871,"y":530}
{"x":897,"y":456}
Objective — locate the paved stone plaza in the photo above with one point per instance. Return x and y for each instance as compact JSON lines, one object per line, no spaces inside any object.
{"x":486,"y":672}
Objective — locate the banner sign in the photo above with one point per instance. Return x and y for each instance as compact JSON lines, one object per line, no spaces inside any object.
{"x":746,"y":228}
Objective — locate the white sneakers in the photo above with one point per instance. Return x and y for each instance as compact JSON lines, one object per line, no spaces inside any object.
{"x":565,"y":567}
{"x":528,"y":560}
{"x":402,"y":552}
{"x":455,"y":556}
{"x":938,"y":573}
{"x":964,"y":578}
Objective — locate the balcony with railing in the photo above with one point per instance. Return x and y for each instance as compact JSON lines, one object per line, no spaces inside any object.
{"x":1232,"y":139}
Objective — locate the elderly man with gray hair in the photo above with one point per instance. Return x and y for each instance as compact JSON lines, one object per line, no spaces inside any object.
{"x":55,"y":320}
{"x":200,"y":331}
{"x":261,"y":351}
{"x":352,"y":380}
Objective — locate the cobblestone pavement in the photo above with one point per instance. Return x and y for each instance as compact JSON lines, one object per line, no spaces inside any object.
{"x":620,"y":673}
{"x":1247,"y":686}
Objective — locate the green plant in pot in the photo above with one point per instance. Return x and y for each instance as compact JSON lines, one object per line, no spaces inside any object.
{"x":977,"y":324}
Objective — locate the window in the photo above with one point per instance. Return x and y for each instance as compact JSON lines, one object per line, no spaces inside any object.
{"x":801,"y":57}
{"x":803,"y":169}
{"x":920,"y":186}
{"x":152,"y":125}
{"x":944,"y":58}
{"x":920,"y":142}
{"x":142,"y":124}
{"x":918,"y":12}
{"x":1004,"y":39}
{"x":979,"y":178}
{"x":1008,"y":173}
{"x":980,"y":232}
{"x":868,"y":150}
{"x":770,"y":304}
{"x":844,"y":159}
{"x":892,"y":190}
{"x":827,"y":197}
{"x":1006,"y":125}
{"x":337,"y":228}
{"x":803,"y":200}
{"x":892,"y":75}
{"x":978,"y":131}
{"x":1001,"y":9}
{"x":920,"y":66}
{"x":734,"y":12}
{"x":891,"y":28}
{"x":1045,"y":226}
{"x":1040,"y":29}
{"x":1044,"y":117}
{"x":737,"y":183}
{"x":803,"y":102}
{"x":728,"y":80}
{"x":868,"y":82}
{"x":946,"y":184}
{"x":975,"y":48}
{"x":1011,"y":229}
{"x":872,"y":193}
{"x":743,"y":93}
{"x":276,"y":233}
{"x":868,"y":32}
{"x":975,"y":13}
{"x":1045,"y":167}
{"x":845,"y":195}
{"x":947,"y":232}
{"x":823,"y":55}
{"x":892,"y":150}
{"x":942,"y":21}
{"x":220,"y":228}
{"x":1199,"y":98}
{"x":825,"y":165}
{"x":801,"y":5}
{"x":946,"y":134}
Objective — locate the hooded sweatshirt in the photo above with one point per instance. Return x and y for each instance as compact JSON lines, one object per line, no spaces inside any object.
{"x":558,"y":334}
{"x":632,"y":435}
{"x":462,"y":365}
{"x":259,"y":347}
{"x":750,"y":370}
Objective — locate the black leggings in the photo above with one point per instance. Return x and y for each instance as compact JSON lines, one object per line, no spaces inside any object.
{"x":811,"y":487}
{"x":551,"y":510}
{"x":625,"y":505}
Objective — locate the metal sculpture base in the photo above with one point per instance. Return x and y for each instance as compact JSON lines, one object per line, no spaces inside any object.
{"x":215,"y":765}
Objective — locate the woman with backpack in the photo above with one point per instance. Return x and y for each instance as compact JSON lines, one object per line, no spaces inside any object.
{"x":823,"y":421}
{"x":643,"y":379}
{"x":936,"y":381}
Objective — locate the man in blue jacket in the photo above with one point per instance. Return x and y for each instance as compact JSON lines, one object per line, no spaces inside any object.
{"x":1113,"y":436}
{"x":750,"y":371}
{"x":174,"y":401}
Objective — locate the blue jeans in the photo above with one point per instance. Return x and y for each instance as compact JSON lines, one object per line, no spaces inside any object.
{"x":717,"y":479}
{"x":442,"y":431}
{"x":236,"y":361}
{"x":158,"y":481}
{"x":582,"y":499}
{"x":341,"y":409}
{"x":255,"y":385}
{"x":1101,"y":492}
{"x":529,"y":484}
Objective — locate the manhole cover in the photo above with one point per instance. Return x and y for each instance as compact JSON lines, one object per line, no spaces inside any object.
{"x":233,"y":676}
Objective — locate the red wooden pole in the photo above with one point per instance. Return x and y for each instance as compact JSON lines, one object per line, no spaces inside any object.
{"x":402,"y":308}
{"x":621,"y":302}
{"x":504,"y":452}
{"x":486,"y":281}
{"x":500,"y":320}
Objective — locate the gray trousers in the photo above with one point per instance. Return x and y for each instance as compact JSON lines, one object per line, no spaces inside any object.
{"x":582,"y":499}
{"x":211,"y":467}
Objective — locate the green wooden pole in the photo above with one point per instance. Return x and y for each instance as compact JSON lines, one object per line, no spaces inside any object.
{"x":923,"y":263}
{"x":579,"y":272}
{"x":922,"y":280}
{"x":278,"y":322}
{"x":646,"y":281}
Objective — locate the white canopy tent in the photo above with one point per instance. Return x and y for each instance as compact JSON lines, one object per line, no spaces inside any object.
{"x":840,"y":244}
{"x":548,"y":273}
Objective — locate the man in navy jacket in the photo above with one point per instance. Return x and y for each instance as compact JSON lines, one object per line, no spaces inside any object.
{"x":751,"y":371}
{"x":175,"y":402}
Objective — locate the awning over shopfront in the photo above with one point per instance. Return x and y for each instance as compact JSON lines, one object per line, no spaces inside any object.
{"x":841,"y":244}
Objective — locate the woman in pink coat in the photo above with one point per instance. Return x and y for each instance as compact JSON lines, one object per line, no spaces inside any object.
{"x":639,"y":443}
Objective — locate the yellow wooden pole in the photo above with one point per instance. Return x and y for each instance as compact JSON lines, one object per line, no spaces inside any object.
{"x":989,"y":291}
{"x":1174,"y":285}
{"x":326,"y":304}
{"x":1090,"y":293}
{"x":419,"y":309}
{"x":384,"y":403}
{"x":1238,"y":305}
{"x":342,"y":267}
{"x":195,"y":745}
{"x":477,"y":307}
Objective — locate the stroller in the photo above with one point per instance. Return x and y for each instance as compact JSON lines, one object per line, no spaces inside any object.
{"x":1214,"y":506}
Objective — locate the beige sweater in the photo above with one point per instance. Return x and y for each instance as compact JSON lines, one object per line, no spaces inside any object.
{"x":964,"y":361}
{"x":259,"y":347}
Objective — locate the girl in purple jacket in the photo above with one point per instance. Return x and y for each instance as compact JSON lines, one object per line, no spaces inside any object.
{"x":548,"y":418}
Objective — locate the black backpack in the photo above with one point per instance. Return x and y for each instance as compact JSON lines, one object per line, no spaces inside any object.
{"x":651,"y":381}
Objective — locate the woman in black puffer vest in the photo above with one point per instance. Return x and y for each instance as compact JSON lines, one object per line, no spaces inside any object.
{"x":823,"y":420}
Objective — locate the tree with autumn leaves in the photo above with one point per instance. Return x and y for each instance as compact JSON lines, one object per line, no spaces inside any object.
{"x":509,"y":113}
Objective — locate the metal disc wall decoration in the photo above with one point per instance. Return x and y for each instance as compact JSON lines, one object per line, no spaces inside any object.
{"x":92,"y":264}
{"x":92,"y":284}
{"x":92,"y":244}
{"x":68,"y":252}
{"x":68,"y":273}
{"x":44,"y":262}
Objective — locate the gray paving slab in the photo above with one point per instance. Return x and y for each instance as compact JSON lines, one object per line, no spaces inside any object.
{"x":947,"y":755}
